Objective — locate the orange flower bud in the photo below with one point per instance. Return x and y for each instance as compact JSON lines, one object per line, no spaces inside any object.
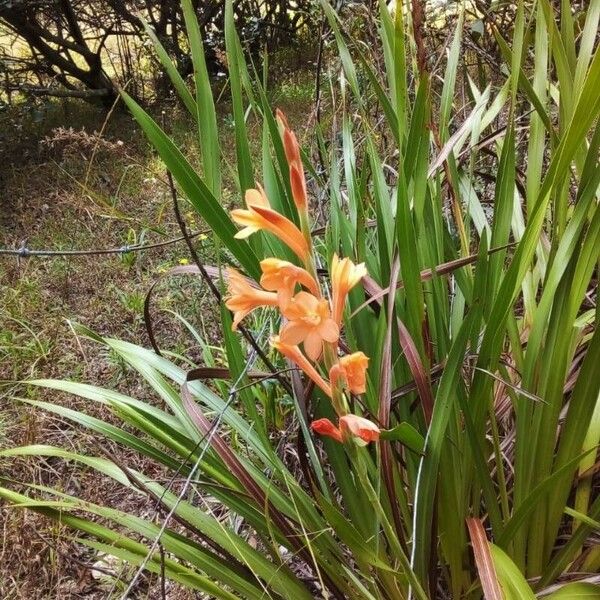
{"x":298,"y":185}
{"x":291,"y":147}
{"x":282,"y":122}
{"x":292,"y":154}
{"x":344,"y":276}
{"x":327,"y":428}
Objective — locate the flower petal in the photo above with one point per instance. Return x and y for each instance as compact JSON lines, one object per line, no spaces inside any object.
{"x":313,"y":345}
{"x":284,"y":229}
{"x":329,"y":330}
{"x":242,"y":234}
{"x":293,"y":354}
{"x":256,"y":198}
{"x":293,"y":333}
{"x":245,"y":217}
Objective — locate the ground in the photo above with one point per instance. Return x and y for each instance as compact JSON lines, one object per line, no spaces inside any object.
{"x":63,"y":186}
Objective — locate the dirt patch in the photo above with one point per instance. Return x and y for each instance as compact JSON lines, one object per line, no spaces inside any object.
{"x":74,"y":189}
{"x":73,"y":181}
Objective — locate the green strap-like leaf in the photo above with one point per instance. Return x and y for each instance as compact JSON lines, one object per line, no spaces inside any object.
{"x":205,"y":106}
{"x":514,"y":585}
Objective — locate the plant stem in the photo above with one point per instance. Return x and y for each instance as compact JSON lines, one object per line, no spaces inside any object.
{"x":358,"y":459}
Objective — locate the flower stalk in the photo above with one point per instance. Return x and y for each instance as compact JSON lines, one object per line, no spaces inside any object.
{"x":311,"y":324}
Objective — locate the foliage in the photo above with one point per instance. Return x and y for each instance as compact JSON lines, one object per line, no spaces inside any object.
{"x":86,"y":49}
{"x":480,"y":327}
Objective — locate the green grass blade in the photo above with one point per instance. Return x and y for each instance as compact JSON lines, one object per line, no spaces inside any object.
{"x":514,"y":585}
{"x":235,"y":64}
{"x":445,"y":405}
{"x":171,"y":69}
{"x":205,"y":107}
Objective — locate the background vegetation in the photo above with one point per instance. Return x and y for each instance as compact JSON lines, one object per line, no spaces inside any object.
{"x":75,"y":48}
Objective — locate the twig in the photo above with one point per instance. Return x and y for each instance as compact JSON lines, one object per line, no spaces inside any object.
{"x":70,"y":557}
{"x":58,"y":93}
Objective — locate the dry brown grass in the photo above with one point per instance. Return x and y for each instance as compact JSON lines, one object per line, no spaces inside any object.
{"x":63,"y":186}
{"x":46,"y":202}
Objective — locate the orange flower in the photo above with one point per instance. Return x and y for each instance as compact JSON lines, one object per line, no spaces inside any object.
{"x":259,"y":215}
{"x":292,"y":154}
{"x":351,"y":427}
{"x":344,"y":276}
{"x":293,"y":353}
{"x":244,"y":297}
{"x":281,"y":276}
{"x":309,"y":322}
{"x":352,"y":369}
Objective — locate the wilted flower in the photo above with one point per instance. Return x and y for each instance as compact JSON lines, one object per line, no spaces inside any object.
{"x":352,"y":369}
{"x":351,"y":427}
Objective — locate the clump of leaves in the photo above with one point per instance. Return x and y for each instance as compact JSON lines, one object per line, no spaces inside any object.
{"x":480,"y":326}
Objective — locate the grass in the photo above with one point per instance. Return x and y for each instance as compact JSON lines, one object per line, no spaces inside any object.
{"x":45,"y":200}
